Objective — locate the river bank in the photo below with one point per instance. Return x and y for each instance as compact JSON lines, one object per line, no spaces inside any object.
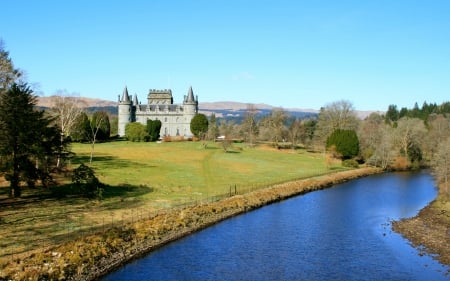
{"x":430,"y":229}
{"x":90,"y":257}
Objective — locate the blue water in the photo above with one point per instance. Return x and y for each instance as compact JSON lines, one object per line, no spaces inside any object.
{"x":341,"y":233}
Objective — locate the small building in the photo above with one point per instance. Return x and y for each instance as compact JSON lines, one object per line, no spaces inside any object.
{"x":175,"y":118}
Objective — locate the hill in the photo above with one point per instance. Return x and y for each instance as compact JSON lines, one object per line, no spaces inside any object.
{"x":222,"y":109}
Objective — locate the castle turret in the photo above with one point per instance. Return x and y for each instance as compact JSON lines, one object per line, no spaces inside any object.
{"x":125,"y":112}
{"x":190,"y":103}
{"x":190,"y":106}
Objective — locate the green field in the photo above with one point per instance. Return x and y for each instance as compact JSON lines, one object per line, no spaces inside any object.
{"x":178,"y":171}
{"x":143,"y":178}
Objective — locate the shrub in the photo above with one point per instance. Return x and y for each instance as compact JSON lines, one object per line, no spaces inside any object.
{"x":87,"y":183}
{"x":351,"y":163}
{"x":136,"y":132}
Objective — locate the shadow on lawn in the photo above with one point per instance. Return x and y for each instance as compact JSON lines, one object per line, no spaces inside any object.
{"x":108,"y":162}
{"x":71,"y":191}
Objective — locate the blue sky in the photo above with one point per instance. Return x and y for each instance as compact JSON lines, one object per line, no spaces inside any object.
{"x":301,"y":54}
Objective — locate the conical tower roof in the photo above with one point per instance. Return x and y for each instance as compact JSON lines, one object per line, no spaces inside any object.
{"x":190,"y":97}
{"x":135,"y":100}
{"x":125,"y":96}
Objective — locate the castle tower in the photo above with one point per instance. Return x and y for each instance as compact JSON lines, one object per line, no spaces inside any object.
{"x":190,"y":105}
{"x":125,"y":112}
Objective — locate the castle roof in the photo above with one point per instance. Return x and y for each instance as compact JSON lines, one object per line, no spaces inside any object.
{"x":190,"y":96}
{"x":125,"y":96}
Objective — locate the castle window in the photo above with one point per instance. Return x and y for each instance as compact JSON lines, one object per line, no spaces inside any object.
{"x":165,"y":119}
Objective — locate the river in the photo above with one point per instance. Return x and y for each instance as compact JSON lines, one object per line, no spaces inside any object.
{"x":340,"y":233}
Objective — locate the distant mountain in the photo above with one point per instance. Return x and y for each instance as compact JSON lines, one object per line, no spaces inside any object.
{"x":84,"y":102}
{"x":222,"y":109}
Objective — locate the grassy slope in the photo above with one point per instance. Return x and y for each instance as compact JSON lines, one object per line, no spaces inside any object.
{"x":143,"y":178}
{"x":179,"y":171}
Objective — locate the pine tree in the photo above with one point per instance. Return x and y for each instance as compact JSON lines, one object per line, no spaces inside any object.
{"x":28,"y":142}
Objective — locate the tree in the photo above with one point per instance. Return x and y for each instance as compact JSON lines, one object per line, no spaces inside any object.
{"x":310,"y":128}
{"x":136,"y":132}
{"x":384,"y":153}
{"x":199,"y":125}
{"x":100,"y":123}
{"x":65,"y":110}
{"x":441,"y":164}
{"x":81,"y":129}
{"x":345,"y":142}
{"x":409,"y":133}
{"x":100,"y":127}
{"x":392,"y":114}
{"x":153,"y":129}
{"x":369,"y":135}
{"x":273,"y":126}
{"x":250,"y":125}
{"x":297,"y":132}
{"x":226,"y":130}
{"x":336,"y":115}
{"x":28,"y":142}
{"x":213,"y":129}
{"x":8,"y":73}
{"x":438,"y":131}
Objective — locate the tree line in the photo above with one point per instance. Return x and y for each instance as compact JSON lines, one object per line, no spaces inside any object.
{"x":413,"y":139}
{"x":34,"y":143}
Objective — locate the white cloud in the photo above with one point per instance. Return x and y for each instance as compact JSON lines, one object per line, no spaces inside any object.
{"x":242,"y":76}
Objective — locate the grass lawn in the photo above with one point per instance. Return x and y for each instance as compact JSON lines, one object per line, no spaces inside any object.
{"x":143,"y":178}
{"x":179,"y":170}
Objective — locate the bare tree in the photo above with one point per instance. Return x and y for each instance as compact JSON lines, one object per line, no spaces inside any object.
{"x":98,"y":120}
{"x":273,"y":127}
{"x":369,"y":134}
{"x":441,"y":164}
{"x":226,"y":129}
{"x":65,"y":109}
{"x":336,"y":115}
{"x":249,"y":125}
{"x":384,"y":153}
{"x":297,"y":133}
{"x":409,"y":132}
{"x":438,"y":131}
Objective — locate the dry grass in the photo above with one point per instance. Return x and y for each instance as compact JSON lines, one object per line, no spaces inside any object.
{"x":143,"y":179}
{"x":88,"y":257}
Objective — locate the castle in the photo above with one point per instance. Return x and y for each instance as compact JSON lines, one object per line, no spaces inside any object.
{"x":175,"y":119}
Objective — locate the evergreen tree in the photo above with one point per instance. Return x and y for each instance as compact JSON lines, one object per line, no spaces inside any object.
{"x":28,"y":142}
{"x":199,"y":125}
{"x":345,"y":141}
{"x":8,"y":74}
{"x":81,"y":129}
{"x":153,"y":129}
{"x":392,"y":113}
